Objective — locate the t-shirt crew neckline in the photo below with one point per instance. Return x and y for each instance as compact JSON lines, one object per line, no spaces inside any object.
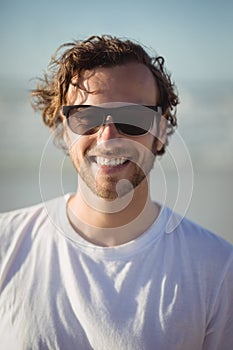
{"x":151,"y":235}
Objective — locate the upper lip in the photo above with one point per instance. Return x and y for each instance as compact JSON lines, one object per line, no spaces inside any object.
{"x":112,"y":153}
{"x":109,"y":157}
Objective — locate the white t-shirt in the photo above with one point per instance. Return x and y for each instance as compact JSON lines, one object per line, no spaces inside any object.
{"x":161,"y":291}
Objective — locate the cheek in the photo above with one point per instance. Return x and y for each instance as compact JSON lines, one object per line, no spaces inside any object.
{"x":146,"y":148}
{"x":151,"y":144}
{"x":155,"y":146}
{"x":80,"y":145}
{"x":148,"y":142}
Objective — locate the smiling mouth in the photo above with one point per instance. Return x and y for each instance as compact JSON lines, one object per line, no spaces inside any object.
{"x":110,"y":162}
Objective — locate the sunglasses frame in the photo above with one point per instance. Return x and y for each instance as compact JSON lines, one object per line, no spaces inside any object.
{"x":67,"y":108}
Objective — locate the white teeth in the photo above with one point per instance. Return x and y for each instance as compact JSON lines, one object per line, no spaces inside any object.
{"x":110,"y":161}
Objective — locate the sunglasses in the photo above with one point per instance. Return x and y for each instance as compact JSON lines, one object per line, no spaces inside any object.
{"x":133,"y":120}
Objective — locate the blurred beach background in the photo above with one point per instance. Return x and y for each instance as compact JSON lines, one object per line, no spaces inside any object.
{"x":196,"y":40}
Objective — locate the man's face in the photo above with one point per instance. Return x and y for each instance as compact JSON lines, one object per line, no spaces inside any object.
{"x":106,"y":157}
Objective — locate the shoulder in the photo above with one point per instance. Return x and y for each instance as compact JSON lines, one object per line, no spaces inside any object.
{"x":14,"y":225}
{"x":199,"y":243}
{"x":25,"y":224}
{"x":14,"y":219}
{"x":24,"y":216}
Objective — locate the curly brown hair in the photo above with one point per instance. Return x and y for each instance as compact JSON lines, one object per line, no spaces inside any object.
{"x":97,"y":51}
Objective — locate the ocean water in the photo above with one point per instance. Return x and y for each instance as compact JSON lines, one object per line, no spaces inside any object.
{"x":195,"y":177}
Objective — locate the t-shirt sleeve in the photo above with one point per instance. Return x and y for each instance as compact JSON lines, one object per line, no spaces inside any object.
{"x":219,"y":334}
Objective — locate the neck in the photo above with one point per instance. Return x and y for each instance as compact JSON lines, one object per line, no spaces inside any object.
{"x":110,"y":223}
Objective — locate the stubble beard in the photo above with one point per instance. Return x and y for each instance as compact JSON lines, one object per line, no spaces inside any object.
{"x":110,"y":187}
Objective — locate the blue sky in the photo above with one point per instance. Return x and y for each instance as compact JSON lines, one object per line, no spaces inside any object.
{"x":195,"y":37}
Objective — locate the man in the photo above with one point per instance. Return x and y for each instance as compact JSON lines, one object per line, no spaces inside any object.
{"x":97,"y":269}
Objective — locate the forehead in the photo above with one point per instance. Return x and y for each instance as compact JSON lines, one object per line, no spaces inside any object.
{"x":132,"y":82}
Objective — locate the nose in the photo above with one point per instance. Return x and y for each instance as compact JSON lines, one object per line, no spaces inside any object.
{"x":108,"y":130}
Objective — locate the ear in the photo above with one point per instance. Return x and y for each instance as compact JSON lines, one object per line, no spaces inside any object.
{"x":162,"y":136}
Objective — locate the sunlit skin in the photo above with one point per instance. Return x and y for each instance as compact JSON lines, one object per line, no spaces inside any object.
{"x":130,"y":83}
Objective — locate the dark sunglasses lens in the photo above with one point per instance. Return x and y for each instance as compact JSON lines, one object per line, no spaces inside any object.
{"x":134,"y":120}
{"x":130,"y":120}
{"x":85,"y":121}
{"x":132,"y":130}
